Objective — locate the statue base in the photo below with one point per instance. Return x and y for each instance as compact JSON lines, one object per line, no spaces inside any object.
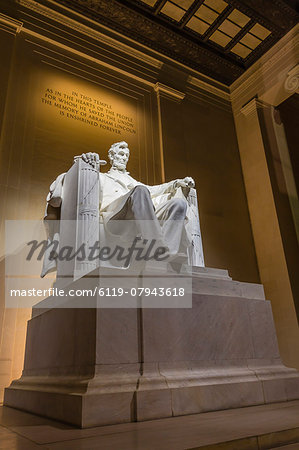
{"x":91,"y":367}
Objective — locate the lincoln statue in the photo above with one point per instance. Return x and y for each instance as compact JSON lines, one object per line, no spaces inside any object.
{"x":129,"y":208}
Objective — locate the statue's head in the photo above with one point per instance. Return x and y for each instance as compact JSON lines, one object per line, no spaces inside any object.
{"x":119,"y":154}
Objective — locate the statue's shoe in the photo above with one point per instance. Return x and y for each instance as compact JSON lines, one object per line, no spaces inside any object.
{"x":175,"y":262}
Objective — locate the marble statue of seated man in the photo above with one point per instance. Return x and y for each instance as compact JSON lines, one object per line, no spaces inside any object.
{"x":156,"y":211}
{"x":130,"y":209}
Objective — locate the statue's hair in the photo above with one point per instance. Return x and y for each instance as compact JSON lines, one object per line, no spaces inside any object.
{"x":111,"y":150}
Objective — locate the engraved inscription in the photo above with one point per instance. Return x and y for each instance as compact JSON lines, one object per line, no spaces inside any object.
{"x":89,"y":110}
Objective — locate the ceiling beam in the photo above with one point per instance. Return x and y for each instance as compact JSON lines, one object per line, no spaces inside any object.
{"x":194,"y":7}
{"x":254,"y":11}
{"x":221,"y":18}
{"x":239,"y":35}
{"x":159,"y":6}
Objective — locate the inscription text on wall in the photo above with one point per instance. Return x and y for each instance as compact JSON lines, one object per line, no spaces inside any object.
{"x":88,"y":110}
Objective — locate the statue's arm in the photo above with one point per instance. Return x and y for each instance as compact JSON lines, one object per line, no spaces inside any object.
{"x":171,"y":186}
{"x":51,"y":222}
{"x":54,"y":197}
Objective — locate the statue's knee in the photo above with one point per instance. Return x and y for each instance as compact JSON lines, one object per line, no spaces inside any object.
{"x":180,"y":204}
{"x":141,"y":191}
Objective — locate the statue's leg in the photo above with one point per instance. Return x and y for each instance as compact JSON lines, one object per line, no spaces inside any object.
{"x":138,"y":208}
{"x":172,"y":215}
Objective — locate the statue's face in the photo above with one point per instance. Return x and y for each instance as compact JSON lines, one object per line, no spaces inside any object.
{"x":121,"y":156}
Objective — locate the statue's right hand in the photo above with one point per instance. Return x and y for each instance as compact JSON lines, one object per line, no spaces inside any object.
{"x":93,"y":159}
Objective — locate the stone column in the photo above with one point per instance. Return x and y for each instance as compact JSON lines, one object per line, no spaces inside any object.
{"x":256,"y":136}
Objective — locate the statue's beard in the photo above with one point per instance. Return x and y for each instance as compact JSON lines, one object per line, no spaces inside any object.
{"x":120,"y":166}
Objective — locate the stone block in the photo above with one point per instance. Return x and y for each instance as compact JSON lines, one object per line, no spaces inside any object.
{"x":196,"y":399}
{"x":117,"y":336}
{"x":107,"y":409}
{"x":154,"y":404}
{"x":215,"y":328}
{"x":263,"y":330}
{"x":100,"y":366}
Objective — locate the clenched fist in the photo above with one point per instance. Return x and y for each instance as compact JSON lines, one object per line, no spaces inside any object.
{"x":186,"y":182}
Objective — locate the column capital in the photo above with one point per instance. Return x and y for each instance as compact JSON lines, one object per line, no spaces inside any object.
{"x":167,"y":92}
{"x":253,"y":105}
{"x":291,"y":83}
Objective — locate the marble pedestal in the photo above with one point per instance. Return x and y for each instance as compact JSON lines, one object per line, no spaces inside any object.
{"x":92,"y":367}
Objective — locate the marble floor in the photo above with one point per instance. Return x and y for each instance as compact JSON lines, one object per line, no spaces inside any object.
{"x":257,"y":427}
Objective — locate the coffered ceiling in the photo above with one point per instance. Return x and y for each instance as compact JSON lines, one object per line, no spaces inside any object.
{"x":220,"y":38}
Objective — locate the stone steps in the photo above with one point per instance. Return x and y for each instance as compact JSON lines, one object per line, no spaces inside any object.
{"x":262,"y":427}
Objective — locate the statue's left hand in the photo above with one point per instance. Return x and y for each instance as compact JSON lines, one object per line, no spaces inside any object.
{"x":184,"y":182}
